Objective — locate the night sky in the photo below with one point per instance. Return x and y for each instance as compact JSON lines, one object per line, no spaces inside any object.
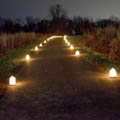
{"x":39,"y":8}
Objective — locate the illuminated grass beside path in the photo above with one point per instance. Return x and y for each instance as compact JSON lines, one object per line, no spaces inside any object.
{"x":92,"y":57}
{"x":11,"y":61}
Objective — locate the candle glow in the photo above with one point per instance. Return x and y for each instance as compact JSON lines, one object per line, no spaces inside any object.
{"x":40,"y":45}
{"x":71,"y":47}
{"x":27,"y":57}
{"x":12,"y":80}
{"x":68,"y":44}
{"x":112,"y":73}
{"x":45,"y":42}
{"x":65,"y":37}
{"x":77,"y":53}
{"x":36,"y":48}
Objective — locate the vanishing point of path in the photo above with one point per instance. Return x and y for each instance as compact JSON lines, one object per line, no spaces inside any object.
{"x":56,"y":85}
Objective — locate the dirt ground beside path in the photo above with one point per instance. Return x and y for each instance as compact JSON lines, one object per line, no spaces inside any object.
{"x":57,"y":85}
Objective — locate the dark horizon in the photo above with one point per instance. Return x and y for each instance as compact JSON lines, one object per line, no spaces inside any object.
{"x":39,"y":9}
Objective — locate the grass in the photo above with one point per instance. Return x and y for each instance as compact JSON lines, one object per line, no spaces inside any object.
{"x":10,"y":62}
{"x":93,"y":57}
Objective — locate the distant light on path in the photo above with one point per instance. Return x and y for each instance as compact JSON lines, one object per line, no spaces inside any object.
{"x":12,"y":80}
{"x":71,"y":47}
{"x":112,"y":73}
{"x":68,"y":44}
{"x":36,"y":48}
{"x":77,"y":53}
{"x":65,"y":37}
{"x":27,"y":57}
{"x":40,"y":45}
{"x":45,"y":42}
{"x":53,"y":37}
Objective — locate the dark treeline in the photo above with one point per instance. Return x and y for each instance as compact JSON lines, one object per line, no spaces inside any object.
{"x":43,"y":26}
{"x":58,"y":24}
{"x":77,"y":25}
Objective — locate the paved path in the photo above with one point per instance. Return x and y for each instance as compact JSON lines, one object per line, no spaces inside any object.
{"x":57,"y":85}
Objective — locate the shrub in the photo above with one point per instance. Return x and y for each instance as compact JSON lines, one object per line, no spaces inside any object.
{"x":115,"y":50}
{"x":105,"y":40}
{"x":11,"y":41}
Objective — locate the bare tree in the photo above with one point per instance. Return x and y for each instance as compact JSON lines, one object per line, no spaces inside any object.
{"x":57,"y":12}
{"x":58,"y":18}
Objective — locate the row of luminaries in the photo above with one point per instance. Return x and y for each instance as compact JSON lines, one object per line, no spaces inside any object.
{"x":12,"y":79}
{"x":112,"y":72}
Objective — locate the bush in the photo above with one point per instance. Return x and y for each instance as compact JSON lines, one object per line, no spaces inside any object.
{"x":105,"y":41}
{"x":11,"y":41}
{"x":115,"y":50}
